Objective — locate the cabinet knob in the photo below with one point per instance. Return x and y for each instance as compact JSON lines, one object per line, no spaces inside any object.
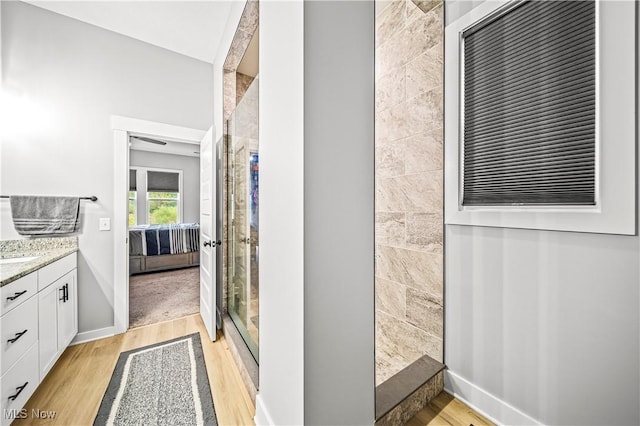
{"x":16,"y":295}
{"x":19,"y":389}
{"x":18,"y":335}
{"x":65,"y":293}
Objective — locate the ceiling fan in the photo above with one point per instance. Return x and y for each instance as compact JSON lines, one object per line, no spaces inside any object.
{"x":149,"y":140}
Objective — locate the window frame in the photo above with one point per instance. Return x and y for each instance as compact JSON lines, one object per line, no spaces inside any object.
{"x":135,"y":204}
{"x":142,"y":187}
{"x":146,"y":187}
{"x":614,"y":211}
{"x":148,"y":204}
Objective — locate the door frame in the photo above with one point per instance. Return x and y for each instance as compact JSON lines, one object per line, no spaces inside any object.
{"x":122,"y":128}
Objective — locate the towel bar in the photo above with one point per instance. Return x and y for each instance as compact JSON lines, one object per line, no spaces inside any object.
{"x":92,"y":198}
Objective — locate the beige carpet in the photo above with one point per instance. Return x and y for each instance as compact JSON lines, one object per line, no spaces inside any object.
{"x":162,"y":296}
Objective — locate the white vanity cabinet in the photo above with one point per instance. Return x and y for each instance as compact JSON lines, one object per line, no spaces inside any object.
{"x":19,"y":345}
{"x":38,"y":320}
{"x":57,"y":321}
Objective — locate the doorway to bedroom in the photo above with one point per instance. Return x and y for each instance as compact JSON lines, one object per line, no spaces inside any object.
{"x":163,"y":216}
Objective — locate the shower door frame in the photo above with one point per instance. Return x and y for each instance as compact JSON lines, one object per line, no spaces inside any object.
{"x":252,"y":346}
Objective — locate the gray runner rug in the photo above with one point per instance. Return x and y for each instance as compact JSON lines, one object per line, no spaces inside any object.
{"x":161,"y":384}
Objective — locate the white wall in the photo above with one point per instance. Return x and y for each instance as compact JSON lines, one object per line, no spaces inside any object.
{"x":280,"y":399}
{"x":80,"y":75}
{"x":190,"y":167}
{"x":543,"y":325}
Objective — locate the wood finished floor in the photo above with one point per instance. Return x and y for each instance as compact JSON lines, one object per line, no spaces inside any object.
{"x":445,"y":410}
{"x":76,"y":384}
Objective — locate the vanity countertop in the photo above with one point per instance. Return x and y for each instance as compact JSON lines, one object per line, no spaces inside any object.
{"x":33,"y":254}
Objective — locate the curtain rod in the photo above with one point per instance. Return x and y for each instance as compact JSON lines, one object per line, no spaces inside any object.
{"x":92,"y":198}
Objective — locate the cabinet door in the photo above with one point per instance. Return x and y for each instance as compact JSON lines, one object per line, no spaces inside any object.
{"x":48,"y":327}
{"x":19,"y":331}
{"x":18,"y":383}
{"x":67,"y":310}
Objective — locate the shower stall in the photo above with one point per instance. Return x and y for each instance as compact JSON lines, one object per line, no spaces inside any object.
{"x":243,"y":227}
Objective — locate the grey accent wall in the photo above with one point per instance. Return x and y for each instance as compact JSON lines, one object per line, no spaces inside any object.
{"x":339,"y":364}
{"x":545,"y":321}
{"x":80,"y":75}
{"x":190,"y":167}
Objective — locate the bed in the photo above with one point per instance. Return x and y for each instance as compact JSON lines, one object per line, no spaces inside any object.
{"x":163,"y":247}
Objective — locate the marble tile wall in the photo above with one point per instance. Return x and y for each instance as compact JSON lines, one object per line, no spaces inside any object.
{"x":243,"y":82}
{"x":409,"y":183}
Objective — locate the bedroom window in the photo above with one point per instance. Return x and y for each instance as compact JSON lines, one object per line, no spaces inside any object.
{"x":133,"y":198}
{"x":529,"y":96}
{"x":540,"y":116}
{"x":133,"y":211}
{"x":163,"y":197}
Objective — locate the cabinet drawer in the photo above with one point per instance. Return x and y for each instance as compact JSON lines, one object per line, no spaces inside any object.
{"x":52,"y":272}
{"x":25,"y":371}
{"x":17,"y":292}
{"x":19,"y":331}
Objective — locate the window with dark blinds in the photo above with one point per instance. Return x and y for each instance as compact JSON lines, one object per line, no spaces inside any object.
{"x":133,"y":184}
{"x":529,"y":106}
{"x":163,"y":181}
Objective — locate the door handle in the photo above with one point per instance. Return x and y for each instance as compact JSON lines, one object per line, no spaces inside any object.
{"x":212,"y":243}
{"x":207,"y":243}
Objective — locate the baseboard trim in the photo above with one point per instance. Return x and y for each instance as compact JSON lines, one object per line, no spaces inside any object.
{"x":89,"y":336}
{"x":262,"y":417}
{"x":490,"y":406}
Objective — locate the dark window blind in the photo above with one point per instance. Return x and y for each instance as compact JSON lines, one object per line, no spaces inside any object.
{"x":529,"y":106}
{"x":132,"y":180}
{"x":163,"y":182}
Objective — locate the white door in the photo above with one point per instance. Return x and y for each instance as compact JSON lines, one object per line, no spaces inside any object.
{"x":208,"y":241}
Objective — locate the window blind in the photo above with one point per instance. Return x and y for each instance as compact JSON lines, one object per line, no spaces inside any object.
{"x":163,"y":182}
{"x":133,"y":184}
{"x":529,"y":106}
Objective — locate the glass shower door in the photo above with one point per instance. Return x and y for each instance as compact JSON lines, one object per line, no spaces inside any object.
{"x":243,"y":204}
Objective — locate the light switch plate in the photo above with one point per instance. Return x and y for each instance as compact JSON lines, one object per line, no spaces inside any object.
{"x":105,"y":224}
